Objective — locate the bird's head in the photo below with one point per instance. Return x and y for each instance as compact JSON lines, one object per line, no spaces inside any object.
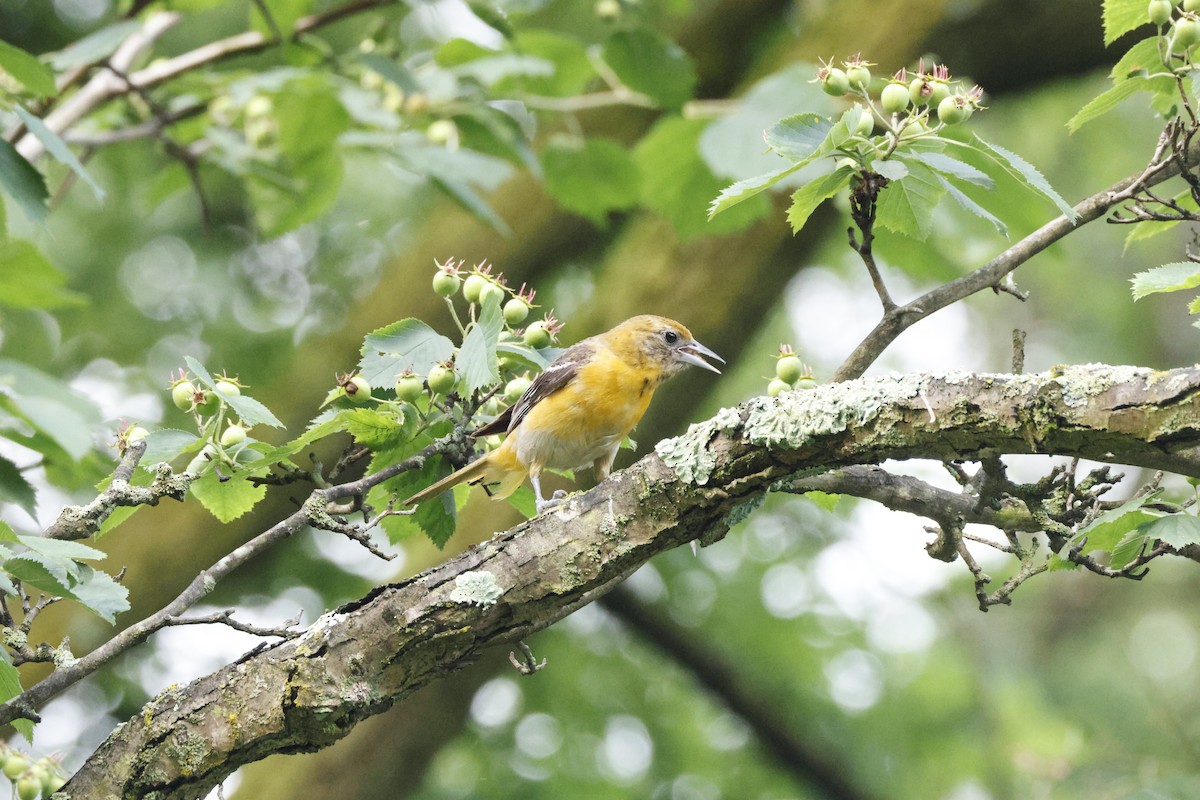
{"x":665,"y":343}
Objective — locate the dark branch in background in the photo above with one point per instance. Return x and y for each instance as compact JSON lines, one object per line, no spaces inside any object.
{"x":777,"y":733}
{"x":305,"y":693}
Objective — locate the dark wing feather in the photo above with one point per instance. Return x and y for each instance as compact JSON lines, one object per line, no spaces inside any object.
{"x":550,"y":380}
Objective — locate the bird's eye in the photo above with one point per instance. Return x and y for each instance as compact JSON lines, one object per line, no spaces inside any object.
{"x":671,"y":336}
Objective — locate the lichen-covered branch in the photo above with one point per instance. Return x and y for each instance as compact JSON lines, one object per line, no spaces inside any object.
{"x":305,"y":693}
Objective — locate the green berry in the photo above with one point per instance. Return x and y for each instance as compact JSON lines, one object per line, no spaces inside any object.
{"x":357,"y":389}
{"x":1186,"y":35}
{"x":441,"y":379}
{"x":409,"y":387}
{"x":473,"y":286}
{"x":209,"y":403}
{"x":515,"y":311}
{"x":1191,"y":5}
{"x":789,"y":369}
{"x":491,"y":293}
{"x":228,"y":388}
{"x":894,"y":98}
{"x":536,"y":335}
{"x":16,"y":764}
{"x":183,"y":395}
{"x":136,"y":433}
{"x":953,"y":111}
{"x":233,"y":435}
{"x":1159,"y":11}
{"x":859,"y":77}
{"x":835,"y":82}
{"x":515,"y":388}
{"x":776,"y":387}
{"x":29,"y":786}
{"x":865,"y":125}
{"x":445,"y":284}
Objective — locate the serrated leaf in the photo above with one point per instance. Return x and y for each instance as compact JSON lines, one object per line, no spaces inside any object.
{"x":906,"y":206}
{"x":95,"y":46}
{"x":477,"y":357}
{"x":22,"y":182}
{"x":48,"y":574}
{"x":14,"y":488}
{"x":227,"y":500}
{"x":948,"y":165}
{"x":1121,"y":17}
{"x":7,"y":534}
{"x":56,"y":147}
{"x":61,"y":549}
{"x":892,"y":169}
{"x":1028,"y":174}
{"x":806,"y":199}
{"x":434,"y":518}
{"x":1127,"y":549}
{"x":27,"y":70}
{"x":10,"y":687}
{"x":249,"y":410}
{"x":325,"y":424}
{"x":1177,"y":530}
{"x":1108,"y":100}
{"x":1057,"y":563}
{"x":1106,"y":530}
{"x":494,"y":17}
{"x":1172,"y":277}
{"x":100,"y":594}
{"x":650,"y":63}
{"x":797,"y":137}
{"x":1141,"y":59}
{"x":592,"y":179}
{"x":375,"y":429}
{"x":1151,"y":228}
{"x":970,"y":205}
{"x":748,"y":187}
{"x":29,"y":280}
{"x":168,"y":444}
{"x":408,"y":344}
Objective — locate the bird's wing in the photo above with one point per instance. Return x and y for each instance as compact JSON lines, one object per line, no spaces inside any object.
{"x":550,"y":380}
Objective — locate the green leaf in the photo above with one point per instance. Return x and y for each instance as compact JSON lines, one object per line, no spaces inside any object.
{"x":477,"y":358}
{"x":97,"y":45}
{"x":948,"y":165}
{"x":1122,"y":16}
{"x":168,"y":444}
{"x":27,"y":70}
{"x":227,"y":500}
{"x":64,"y":417}
{"x":970,"y":205}
{"x":391,"y":70}
{"x":1127,"y":549}
{"x":48,"y":574}
{"x":1028,"y":174}
{"x":100,"y":594}
{"x":62,"y":549}
{"x":1172,"y":277}
{"x":326,"y":424}
{"x":1108,"y":100}
{"x":806,"y":199}
{"x":434,"y":518}
{"x":1177,"y":530}
{"x":1108,"y":529}
{"x":493,"y":16}
{"x":906,"y":206}
{"x":1150,"y":228}
{"x":56,"y":147}
{"x":676,"y":182}
{"x":591,"y":179}
{"x":7,"y":534}
{"x":22,"y":182}
{"x":823,"y":500}
{"x":10,"y":687}
{"x":797,"y":137}
{"x":376,"y":430}
{"x":249,"y":410}
{"x":29,"y":280}
{"x":408,"y":344}
{"x":650,"y":63}
{"x":15,"y":489}
{"x":1141,"y":59}
{"x":572,"y":67}
{"x":748,"y":187}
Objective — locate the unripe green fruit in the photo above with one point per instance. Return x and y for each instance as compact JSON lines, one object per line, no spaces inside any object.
{"x":515,"y":311}
{"x":228,"y":388}
{"x":894,"y":98}
{"x":777,"y":387}
{"x":441,"y":131}
{"x":472,"y":286}
{"x":136,"y":434}
{"x":951,"y":112}
{"x":1191,"y":5}
{"x":789,"y":369}
{"x":29,"y":786}
{"x":1159,"y":11}
{"x":445,"y":284}
{"x":233,"y":435}
{"x":917,"y":91}
{"x":515,"y":388}
{"x":409,"y":387}
{"x":536,"y":335}
{"x":865,"y":125}
{"x":491,"y":293}
{"x":941,"y":90}
{"x":16,"y":764}
{"x":209,"y":404}
{"x":1186,"y":35}
{"x":835,"y":83}
{"x":859,"y":76}
{"x":54,"y":783}
{"x":183,"y":395}
{"x":357,"y":389}
{"x":441,"y":379}
{"x":806,"y":382}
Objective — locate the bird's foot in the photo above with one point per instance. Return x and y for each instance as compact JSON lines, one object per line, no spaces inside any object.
{"x":554,"y":501}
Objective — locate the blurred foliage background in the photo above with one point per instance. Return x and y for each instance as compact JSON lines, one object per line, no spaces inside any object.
{"x":816,"y":651}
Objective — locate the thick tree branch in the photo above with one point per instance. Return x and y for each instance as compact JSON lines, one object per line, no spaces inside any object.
{"x":306,"y":693}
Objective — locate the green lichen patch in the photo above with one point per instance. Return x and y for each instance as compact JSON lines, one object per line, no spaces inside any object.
{"x":1083,"y":382}
{"x":688,"y":455}
{"x":478,"y":588}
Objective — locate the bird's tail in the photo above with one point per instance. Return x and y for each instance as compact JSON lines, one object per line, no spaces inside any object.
{"x":491,"y":468}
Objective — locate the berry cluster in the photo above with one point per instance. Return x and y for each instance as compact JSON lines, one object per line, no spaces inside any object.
{"x":790,"y":373}
{"x":907,"y":101}
{"x":1178,"y":22}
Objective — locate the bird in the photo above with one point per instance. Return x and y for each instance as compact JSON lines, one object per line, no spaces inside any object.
{"x":579,"y":409}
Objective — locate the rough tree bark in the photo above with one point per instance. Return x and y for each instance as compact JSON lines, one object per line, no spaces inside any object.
{"x":304,"y":694}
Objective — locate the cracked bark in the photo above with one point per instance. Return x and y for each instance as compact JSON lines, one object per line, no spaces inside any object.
{"x":304,"y":694}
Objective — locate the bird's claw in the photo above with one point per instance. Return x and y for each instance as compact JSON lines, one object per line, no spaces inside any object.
{"x":554,"y":501}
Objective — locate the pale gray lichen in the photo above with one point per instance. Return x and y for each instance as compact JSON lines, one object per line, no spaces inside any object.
{"x":795,"y":418}
{"x":478,"y":587}
{"x":741,"y":511}
{"x":1083,"y":382}
{"x":688,"y":455}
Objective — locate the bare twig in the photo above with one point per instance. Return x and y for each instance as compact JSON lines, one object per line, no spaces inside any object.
{"x":283,"y":631}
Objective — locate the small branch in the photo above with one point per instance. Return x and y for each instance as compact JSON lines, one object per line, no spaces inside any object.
{"x":863,"y":201}
{"x":527,"y":664}
{"x":283,"y":631}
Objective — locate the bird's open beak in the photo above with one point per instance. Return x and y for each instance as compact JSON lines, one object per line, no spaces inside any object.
{"x":690,"y":353}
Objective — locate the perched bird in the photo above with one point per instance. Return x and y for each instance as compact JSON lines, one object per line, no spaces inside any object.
{"x":578,"y":410}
